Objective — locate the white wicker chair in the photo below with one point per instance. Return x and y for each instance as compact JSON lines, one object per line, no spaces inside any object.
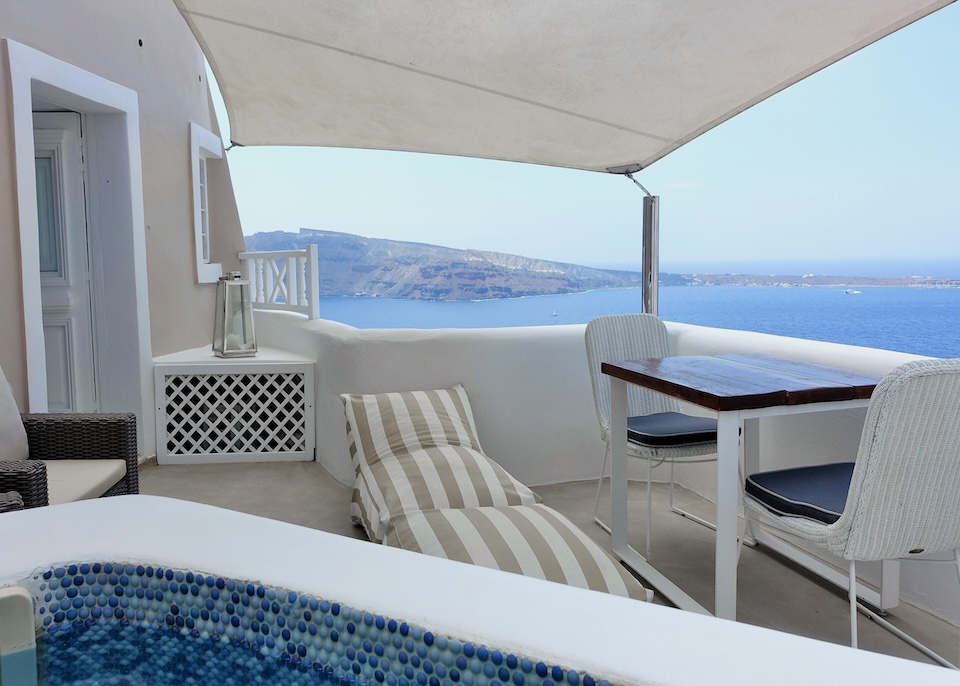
{"x":613,"y":338}
{"x":903,"y":498}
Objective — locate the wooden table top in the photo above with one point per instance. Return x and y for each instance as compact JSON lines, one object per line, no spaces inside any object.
{"x":741,"y":382}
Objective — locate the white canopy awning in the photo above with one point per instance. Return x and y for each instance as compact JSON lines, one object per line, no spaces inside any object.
{"x":606,"y":85}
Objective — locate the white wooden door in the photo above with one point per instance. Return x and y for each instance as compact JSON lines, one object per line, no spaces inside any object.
{"x":65,"y":278}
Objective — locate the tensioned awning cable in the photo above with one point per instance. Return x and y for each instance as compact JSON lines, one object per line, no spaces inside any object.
{"x":629,"y":175}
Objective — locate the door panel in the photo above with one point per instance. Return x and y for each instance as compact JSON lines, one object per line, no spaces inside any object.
{"x":64,"y":264}
{"x":57,"y":339}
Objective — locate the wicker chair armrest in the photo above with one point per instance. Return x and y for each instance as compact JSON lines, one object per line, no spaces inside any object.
{"x":56,"y":436}
{"x":26,"y":477}
{"x":100,"y":436}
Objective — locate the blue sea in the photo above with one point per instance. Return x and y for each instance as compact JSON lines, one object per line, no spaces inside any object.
{"x":924,"y":321}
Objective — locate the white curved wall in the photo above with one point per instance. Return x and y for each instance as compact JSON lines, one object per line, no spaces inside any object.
{"x":529,"y":387}
{"x":530,"y":392}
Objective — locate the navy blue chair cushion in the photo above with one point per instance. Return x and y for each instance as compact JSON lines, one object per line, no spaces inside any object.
{"x":671,"y":428}
{"x":818,"y":493}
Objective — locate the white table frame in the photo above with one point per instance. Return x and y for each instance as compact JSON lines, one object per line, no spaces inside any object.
{"x":729,"y":496}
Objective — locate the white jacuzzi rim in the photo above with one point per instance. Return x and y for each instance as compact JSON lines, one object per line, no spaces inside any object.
{"x":619,"y":639}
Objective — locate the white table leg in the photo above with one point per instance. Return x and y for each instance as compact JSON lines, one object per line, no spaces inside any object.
{"x":889,"y":584}
{"x":728,"y":504}
{"x":619,"y":496}
{"x":618,"y":463}
{"x":751,"y":465}
{"x":751,"y":446}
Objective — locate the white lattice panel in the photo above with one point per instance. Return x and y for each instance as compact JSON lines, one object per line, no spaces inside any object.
{"x":234,"y":412}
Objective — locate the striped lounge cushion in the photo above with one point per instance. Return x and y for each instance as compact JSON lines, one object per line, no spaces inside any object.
{"x":534,"y":540}
{"x":418,"y":450}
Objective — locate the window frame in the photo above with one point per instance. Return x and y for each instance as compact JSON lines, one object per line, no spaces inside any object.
{"x":204,"y":145}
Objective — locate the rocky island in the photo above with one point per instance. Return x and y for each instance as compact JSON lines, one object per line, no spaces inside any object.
{"x":352,"y":265}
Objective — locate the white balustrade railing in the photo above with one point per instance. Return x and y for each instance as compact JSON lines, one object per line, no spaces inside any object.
{"x":284,"y":280}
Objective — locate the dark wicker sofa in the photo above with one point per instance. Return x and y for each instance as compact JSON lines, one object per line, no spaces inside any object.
{"x":71,"y":437}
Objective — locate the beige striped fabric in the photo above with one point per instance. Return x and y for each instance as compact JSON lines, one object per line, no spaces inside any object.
{"x":396,"y":423}
{"x":418,"y":450}
{"x":534,"y":540}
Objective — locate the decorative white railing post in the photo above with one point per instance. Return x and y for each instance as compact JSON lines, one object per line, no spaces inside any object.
{"x":269,"y":283}
{"x":292,"y":294}
{"x":311,"y":275}
{"x":284,"y":280}
{"x":255,"y":276}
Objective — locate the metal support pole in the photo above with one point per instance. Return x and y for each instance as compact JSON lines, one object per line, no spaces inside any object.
{"x":651,"y":253}
{"x":650,"y":269}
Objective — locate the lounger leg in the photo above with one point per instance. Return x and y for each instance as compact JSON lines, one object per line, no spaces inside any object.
{"x":905,"y":637}
{"x":596,"y":504}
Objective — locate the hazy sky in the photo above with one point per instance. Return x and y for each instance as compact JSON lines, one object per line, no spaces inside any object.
{"x":860,"y":161}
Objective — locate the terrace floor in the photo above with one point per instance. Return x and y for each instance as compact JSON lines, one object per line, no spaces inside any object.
{"x":772,"y":592}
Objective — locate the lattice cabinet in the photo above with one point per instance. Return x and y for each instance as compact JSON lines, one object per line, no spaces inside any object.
{"x":221,"y":410}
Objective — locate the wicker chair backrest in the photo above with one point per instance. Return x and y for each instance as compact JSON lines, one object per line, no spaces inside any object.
{"x":904,"y":496}
{"x":619,"y":337}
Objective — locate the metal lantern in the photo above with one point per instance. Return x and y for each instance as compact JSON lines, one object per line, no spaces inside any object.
{"x":233,"y":321}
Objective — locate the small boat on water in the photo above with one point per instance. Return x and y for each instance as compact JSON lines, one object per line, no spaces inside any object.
{"x":553,"y":314}
{"x":850,"y":291}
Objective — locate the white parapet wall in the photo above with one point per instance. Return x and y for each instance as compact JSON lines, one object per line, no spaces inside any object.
{"x":530,"y":392}
{"x":528,"y":386}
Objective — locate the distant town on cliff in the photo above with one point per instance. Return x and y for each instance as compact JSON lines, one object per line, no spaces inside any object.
{"x":352,"y":265}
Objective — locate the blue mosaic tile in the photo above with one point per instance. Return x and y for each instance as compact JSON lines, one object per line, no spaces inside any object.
{"x":122,"y":624}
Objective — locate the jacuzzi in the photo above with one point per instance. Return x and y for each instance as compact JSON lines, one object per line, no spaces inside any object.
{"x":480,"y":627}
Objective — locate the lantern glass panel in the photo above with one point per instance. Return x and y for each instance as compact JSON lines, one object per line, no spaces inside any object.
{"x":233,"y":334}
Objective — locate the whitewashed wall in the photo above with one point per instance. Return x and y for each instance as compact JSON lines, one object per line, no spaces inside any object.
{"x":530,"y":392}
{"x":529,"y":387}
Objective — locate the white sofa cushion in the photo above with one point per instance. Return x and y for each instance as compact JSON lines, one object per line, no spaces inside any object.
{"x":13,"y":437}
{"x":70,"y":480}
